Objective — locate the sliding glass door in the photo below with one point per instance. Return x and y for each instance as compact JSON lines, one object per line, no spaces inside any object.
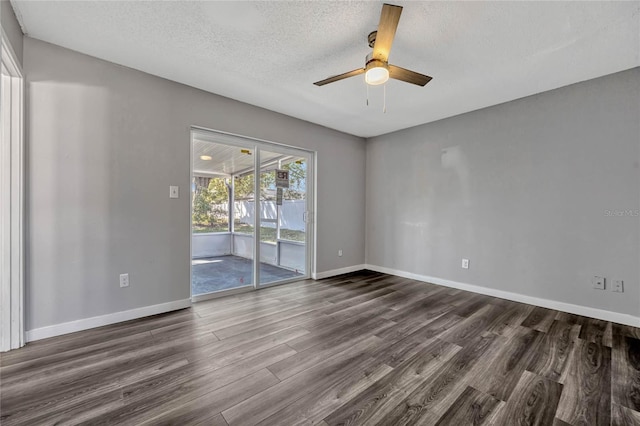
{"x":221,"y":233}
{"x":251,"y":213}
{"x":283,"y":207}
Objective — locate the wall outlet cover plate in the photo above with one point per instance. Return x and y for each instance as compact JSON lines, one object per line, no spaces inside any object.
{"x":618,"y":286}
{"x":598,"y":283}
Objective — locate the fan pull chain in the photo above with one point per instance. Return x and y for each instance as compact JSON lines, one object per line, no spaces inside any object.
{"x":365,"y":83}
{"x":384,"y":101}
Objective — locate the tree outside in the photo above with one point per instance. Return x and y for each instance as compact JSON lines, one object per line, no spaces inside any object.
{"x":211,"y":201}
{"x":209,"y":196}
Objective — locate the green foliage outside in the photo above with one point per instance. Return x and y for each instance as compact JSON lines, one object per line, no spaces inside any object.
{"x":266,"y":234}
{"x":208,"y":216}
{"x":297,"y":181}
{"x":206,"y":210}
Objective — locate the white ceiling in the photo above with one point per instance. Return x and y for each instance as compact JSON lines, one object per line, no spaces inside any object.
{"x":227,"y":160}
{"x":269,"y":53}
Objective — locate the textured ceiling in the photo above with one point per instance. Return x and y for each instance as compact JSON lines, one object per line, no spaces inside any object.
{"x":269,"y":53}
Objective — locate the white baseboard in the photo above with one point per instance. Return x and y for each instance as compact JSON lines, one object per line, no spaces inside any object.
{"x":99,"y":321}
{"x":334,"y":272}
{"x":516,"y":297}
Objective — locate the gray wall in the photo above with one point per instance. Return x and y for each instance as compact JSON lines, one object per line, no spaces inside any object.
{"x":104,"y":144}
{"x":11,"y":27}
{"x":521,"y":189}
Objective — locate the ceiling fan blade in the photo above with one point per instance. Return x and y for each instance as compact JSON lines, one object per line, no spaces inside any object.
{"x":339,"y":77}
{"x":389,"y":19}
{"x":408,"y":75}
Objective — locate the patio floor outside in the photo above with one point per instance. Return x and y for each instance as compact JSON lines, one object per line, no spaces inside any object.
{"x":227,"y":272}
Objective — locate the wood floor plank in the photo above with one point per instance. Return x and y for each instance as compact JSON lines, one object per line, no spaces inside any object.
{"x":509,"y":319}
{"x":312,"y":356}
{"x":94,"y":336}
{"x":471,"y":408}
{"x":570,"y":319}
{"x":216,"y":420}
{"x":405,"y":303}
{"x":380,"y":304}
{"x":551,"y":359}
{"x":24,"y":402}
{"x":314,"y":406}
{"x":423,"y":308}
{"x":176,"y":383}
{"x":398,"y":352}
{"x":254,"y":410}
{"x":412,"y":287}
{"x":21,"y":371}
{"x":623,"y":416}
{"x":540,"y":319}
{"x":435,"y":395}
{"x":332,"y":329}
{"x":626,"y":330}
{"x":470,"y":306}
{"x":199,"y":409}
{"x":150,"y":382}
{"x":225,"y":330}
{"x":626,"y":370}
{"x":221,"y":320}
{"x":361,"y":348}
{"x":465,"y":331}
{"x":373,"y":404}
{"x":434,"y":328}
{"x":69,"y":413}
{"x":499,"y":377}
{"x":77,"y":367}
{"x":150,"y":399}
{"x":586,"y":398}
{"x":533,"y":403}
{"x":237,"y":308}
{"x":429,"y":323}
{"x":597,"y":331}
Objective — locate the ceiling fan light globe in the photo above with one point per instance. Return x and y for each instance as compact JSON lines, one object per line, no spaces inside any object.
{"x":376,"y":75}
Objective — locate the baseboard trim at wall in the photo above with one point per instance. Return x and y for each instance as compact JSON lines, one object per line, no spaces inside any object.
{"x":99,"y":321}
{"x":339,"y":271}
{"x":516,"y":297}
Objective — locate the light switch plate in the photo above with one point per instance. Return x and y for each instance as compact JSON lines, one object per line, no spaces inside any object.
{"x":173,"y":192}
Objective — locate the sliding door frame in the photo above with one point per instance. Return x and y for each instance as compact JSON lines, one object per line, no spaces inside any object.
{"x":258,"y":145}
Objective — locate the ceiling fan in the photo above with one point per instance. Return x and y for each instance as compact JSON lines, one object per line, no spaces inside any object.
{"x":377,"y":69}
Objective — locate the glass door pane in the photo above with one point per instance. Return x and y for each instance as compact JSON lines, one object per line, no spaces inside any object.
{"x":283,"y":207}
{"x":222,"y":217}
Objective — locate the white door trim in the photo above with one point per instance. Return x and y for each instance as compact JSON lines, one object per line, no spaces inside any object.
{"x":12,"y":200}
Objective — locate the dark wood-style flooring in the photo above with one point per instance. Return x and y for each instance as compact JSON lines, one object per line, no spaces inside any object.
{"x":359,"y":349}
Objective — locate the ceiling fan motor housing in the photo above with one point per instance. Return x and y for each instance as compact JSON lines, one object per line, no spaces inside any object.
{"x":371,"y":62}
{"x":371,"y":38}
{"x":376,"y":71}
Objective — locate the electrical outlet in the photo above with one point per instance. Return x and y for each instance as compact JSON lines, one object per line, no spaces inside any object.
{"x":124,"y":280}
{"x":340,"y":253}
{"x":465,"y":263}
{"x":598,"y":283}
{"x":618,"y":286}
